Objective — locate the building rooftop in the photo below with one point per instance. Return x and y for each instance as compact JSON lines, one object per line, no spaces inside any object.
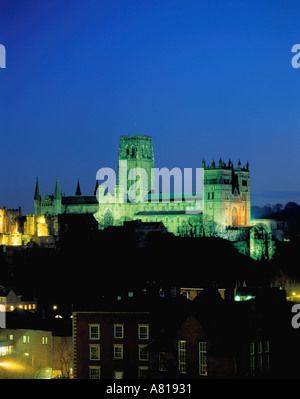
{"x":23,"y":319}
{"x":80,"y":199}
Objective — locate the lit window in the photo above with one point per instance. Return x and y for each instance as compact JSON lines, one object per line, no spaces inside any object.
{"x":118,"y":331}
{"x":26,"y":339}
{"x":202,"y":358}
{"x":44,"y":340}
{"x":252,"y":348}
{"x":94,"y":331}
{"x":143,"y":353}
{"x":94,"y":352}
{"x":118,"y":351}
{"x":182,"y":356}
{"x":5,"y":350}
{"x":94,"y":372}
{"x":143,"y":331}
{"x":118,"y":375}
{"x":259,"y":358}
{"x":259,"y":347}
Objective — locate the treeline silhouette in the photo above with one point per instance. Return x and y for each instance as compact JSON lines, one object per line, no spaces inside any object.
{"x":289,"y":213}
{"x":91,"y":262}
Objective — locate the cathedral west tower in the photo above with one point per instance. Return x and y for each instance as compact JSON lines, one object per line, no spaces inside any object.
{"x":226,"y":193}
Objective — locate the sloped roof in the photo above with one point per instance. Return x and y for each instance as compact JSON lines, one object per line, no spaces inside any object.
{"x":145,"y":213}
{"x":181,"y":197}
{"x":80,"y":200}
{"x":24,"y":319}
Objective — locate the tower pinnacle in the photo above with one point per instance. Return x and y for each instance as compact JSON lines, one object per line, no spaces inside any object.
{"x":37,"y":194}
{"x":57,"y":192}
{"x":78,"y":191}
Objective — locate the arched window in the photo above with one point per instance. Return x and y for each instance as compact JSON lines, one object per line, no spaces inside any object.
{"x":145,"y":152}
{"x":234,"y":218}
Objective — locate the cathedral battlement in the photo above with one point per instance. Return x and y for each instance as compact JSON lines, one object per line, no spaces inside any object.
{"x":223,"y":165}
{"x":136,"y":147}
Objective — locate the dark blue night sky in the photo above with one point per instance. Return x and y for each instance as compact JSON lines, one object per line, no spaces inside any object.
{"x":204,"y":78}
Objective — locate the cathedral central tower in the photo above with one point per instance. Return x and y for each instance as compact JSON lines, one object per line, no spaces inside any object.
{"x":137,"y":151}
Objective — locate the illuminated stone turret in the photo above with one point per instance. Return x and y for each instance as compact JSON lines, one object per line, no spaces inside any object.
{"x":57,"y":203}
{"x":226,"y":193}
{"x":37,"y":199}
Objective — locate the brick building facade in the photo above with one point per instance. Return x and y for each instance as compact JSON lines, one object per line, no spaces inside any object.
{"x":176,"y":338}
{"x":111,"y":344}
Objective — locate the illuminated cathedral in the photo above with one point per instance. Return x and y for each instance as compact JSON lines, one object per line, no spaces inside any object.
{"x":223,"y":201}
{"x":221,"y":209}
